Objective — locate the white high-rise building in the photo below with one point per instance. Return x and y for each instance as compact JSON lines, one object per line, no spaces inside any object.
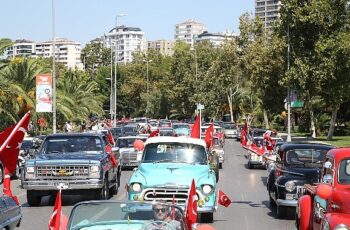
{"x":215,"y":38}
{"x":129,"y":40}
{"x":66,"y":52}
{"x":22,"y":47}
{"x":268,"y":11}
{"x":189,"y":29}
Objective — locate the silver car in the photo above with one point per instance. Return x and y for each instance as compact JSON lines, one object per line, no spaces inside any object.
{"x":230,"y":130}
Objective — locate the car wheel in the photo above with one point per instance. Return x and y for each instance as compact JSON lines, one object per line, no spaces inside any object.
{"x":220,"y":165}
{"x":103,"y":193}
{"x":281,"y":212}
{"x":250,"y":166}
{"x":271,"y":200}
{"x":1,"y":175}
{"x":217,"y":174}
{"x":207,"y":217}
{"x":33,"y":199}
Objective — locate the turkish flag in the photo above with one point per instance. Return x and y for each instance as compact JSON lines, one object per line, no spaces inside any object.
{"x":209,"y":135}
{"x":112,"y":158}
{"x":110,"y":138}
{"x":224,"y":200}
{"x":195,"y":132}
{"x":10,"y":142}
{"x":58,"y":220}
{"x":154,"y":133}
{"x":191,"y":209}
{"x":244,"y":132}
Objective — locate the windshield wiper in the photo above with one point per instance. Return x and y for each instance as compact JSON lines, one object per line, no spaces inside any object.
{"x":164,"y":160}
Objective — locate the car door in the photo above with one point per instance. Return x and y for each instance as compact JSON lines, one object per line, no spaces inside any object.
{"x":3,"y":212}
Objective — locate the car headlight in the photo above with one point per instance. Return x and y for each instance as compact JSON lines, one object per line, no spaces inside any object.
{"x":325,"y":225}
{"x":136,"y":187}
{"x":30,"y":172}
{"x":341,"y":227}
{"x":207,"y":189}
{"x":95,"y":171}
{"x":290,"y":186}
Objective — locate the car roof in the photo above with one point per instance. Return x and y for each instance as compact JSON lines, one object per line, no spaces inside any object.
{"x":290,"y":145}
{"x":132,"y":137}
{"x":166,"y":139}
{"x":75,"y":134}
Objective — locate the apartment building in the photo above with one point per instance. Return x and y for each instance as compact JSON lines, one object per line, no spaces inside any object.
{"x":186,"y":31}
{"x":164,"y":47}
{"x":215,"y":38}
{"x":66,"y":52}
{"x":125,"y":40}
{"x":268,"y":11}
{"x":22,"y":47}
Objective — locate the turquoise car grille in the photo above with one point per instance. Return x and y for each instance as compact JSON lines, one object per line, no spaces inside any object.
{"x":166,"y":194}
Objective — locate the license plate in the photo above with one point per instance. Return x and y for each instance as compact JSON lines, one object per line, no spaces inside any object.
{"x":62,"y":185}
{"x":289,"y":196}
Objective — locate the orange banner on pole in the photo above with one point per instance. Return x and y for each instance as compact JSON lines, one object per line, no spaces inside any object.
{"x":43,"y":93}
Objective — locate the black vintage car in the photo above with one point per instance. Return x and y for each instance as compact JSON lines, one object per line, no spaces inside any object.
{"x":10,"y":213}
{"x":296,"y":164}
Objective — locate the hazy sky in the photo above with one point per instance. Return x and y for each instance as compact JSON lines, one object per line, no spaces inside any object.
{"x":84,"y":20}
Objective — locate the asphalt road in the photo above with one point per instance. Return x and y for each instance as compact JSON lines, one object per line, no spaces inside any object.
{"x":246,"y":188}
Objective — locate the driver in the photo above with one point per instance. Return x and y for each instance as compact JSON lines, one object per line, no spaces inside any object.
{"x":162,"y":219}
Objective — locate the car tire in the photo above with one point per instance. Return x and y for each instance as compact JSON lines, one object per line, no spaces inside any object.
{"x":220,"y":165}
{"x":282,"y":212}
{"x":103,"y":193}
{"x":115,"y":188}
{"x":271,"y":200}
{"x":207,"y":217}
{"x":1,"y":174}
{"x":250,"y":166}
{"x":33,"y":199}
{"x":217,"y":175}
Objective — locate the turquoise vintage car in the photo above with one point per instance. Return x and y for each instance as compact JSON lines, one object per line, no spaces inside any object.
{"x":166,"y":171}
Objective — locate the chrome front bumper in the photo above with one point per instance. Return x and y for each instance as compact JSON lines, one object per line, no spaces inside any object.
{"x":70,"y":184}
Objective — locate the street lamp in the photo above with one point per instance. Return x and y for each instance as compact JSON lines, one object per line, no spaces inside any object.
{"x":53,"y":70}
{"x":115,"y":69}
{"x":147,"y":61}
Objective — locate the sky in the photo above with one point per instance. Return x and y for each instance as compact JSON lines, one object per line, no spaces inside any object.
{"x":84,"y":20}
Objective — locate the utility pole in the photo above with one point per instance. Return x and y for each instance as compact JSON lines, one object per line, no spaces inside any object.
{"x":53,"y":70}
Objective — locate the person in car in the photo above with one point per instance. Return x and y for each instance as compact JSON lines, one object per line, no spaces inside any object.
{"x":162,"y":219}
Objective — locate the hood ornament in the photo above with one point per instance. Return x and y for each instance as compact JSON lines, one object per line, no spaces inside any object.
{"x":172,"y":169}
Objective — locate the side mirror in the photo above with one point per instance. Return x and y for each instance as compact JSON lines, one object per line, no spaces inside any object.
{"x":324,"y":191}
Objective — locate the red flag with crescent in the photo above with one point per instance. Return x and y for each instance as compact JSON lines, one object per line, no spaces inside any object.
{"x":58,"y":220}
{"x":10,"y":142}
{"x":224,"y":200}
{"x":191,"y":209}
{"x":154,"y":133}
{"x":195,"y":132}
{"x":110,"y":138}
{"x":209,"y":135}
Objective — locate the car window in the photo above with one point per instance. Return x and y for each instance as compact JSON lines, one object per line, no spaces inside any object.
{"x":344,"y":172}
{"x":173,"y":152}
{"x":126,"y":142}
{"x":306,"y":157}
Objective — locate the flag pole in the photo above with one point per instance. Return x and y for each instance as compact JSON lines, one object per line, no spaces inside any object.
{"x":19,"y":124}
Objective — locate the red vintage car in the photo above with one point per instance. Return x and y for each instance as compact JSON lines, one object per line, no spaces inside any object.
{"x":327,"y":205}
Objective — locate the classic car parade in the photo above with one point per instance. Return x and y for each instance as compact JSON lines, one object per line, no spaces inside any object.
{"x":167,"y":168}
{"x":297,"y":164}
{"x":92,"y":215}
{"x":129,"y":156}
{"x":10,"y":213}
{"x":326,"y":205}
{"x":79,"y":161}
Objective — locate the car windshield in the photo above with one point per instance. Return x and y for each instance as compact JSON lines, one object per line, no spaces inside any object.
{"x":181,"y":126}
{"x":132,"y":215}
{"x":126,"y":142}
{"x":26,"y":144}
{"x":174,"y":152}
{"x":229,"y":126}
{"x":116,"y":131}
{"x":129,"y":129}
{"x":73,"y":144}
{"x":344,"y":172}
{"x":306,"y":157}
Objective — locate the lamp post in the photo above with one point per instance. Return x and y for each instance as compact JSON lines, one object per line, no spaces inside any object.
{"x":147,"y":62}
{"x":53,"y":70}
{"x":289,"y":137}
{"x":116,"y":69}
